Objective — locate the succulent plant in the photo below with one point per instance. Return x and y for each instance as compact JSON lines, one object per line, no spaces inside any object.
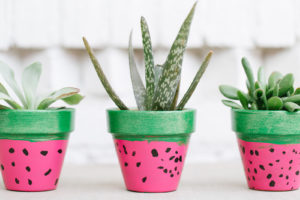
{"x":162,"y":81}
{"x":28,"y":96}
{"x":275,"y":94}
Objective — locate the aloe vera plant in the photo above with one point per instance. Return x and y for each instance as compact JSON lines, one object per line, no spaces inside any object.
{"x":276,"y":93}
{"x":162,"y":81}
{"x":28,"y":96}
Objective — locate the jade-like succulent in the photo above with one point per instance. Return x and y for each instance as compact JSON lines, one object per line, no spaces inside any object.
{"x":162,"y":81}
{"x":28,"y":96}
{"x":275,"y":94}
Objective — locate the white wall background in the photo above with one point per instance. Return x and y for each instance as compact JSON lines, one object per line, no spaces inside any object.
{"x":50,"y":31}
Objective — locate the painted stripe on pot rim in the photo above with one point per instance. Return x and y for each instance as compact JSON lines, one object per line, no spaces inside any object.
{"x":36,"y":125}
{"x":277,"y":127}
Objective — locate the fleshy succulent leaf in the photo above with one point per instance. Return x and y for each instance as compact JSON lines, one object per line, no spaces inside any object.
{"x":285,"y":84}
{"x":291,"y":107}
{"x":73,"y":100}
{"x":59,"y":94}
{"x":261,"y":77}
{"x":174,"y":103}
{"x":275,"y":103}
{"x":9,"y":76}
{"x":2,"y":107}
{"x":157,"y":73}
{"x":274,"y":78}
{"x":249,"y":74}
{"x":103,"y":78}
{"x":3,"y":89}
{"x":10,"y":101}
{"x":137,"y":83}
{"x":231,"y":104}
{"x":229,"y":92}
{"x":297,"y":91}
{"x":149,"y":63}
{"x":293,"y":98}
{"x":30,"y":79}
{"x":243,"y":99}
{"x":195,"y":82}
{"x":276,"y":90}
{"x":168,"y":82}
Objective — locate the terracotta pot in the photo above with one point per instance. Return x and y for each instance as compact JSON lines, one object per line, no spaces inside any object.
{"x":269,"y":143}
{"x":33,"y":146}
{"x":151,"y":147}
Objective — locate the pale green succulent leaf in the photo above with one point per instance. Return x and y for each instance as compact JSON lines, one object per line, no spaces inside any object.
{"x":243,"y":99}
{"x":249,"y":74}
{"x":291,"y":107}
{"x":297,"y":91}
{"x":73,"y":100}
{"x":275,"y":103}
{"x":168,"y":82}
{"x":261,"y":77}
{"x":3,"y":89}
{"x":285,"y":84}
{"x":137,"y":83}
{"x":229,"y":92}
{"x":10,"y":101}
{"x":231,"y":104}
{"x":274,"y":78}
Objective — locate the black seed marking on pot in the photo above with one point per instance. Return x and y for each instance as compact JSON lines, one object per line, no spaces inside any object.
{"x":287,"y":183}
{"x":11,"y":150}
{"x":2,"y":167}
{"x":117,"y":144}
{"x":271,"y":150}
{"x":253,"y":178}
{"x":165,"y":171}
{"x":287,"y":177}
{"x":162,"y":159}
{"x":281,"y":175}
{"x":256,"y":153}
{"x":290,"y":168}
{"x":176,"y":152}
{"x":178,"y":173}
{"x":248,"y":170}
{"x":44,"y":153}
{"x":56,"y":181}
{"x":154,"y":152}
{"x":176,"y":160}
{"x":17,"y":181}
{"x":248,"y":178}
{"x":172,"y":175}
{"x":13,"y":164}
{"x":297,"y":173}
{"x":25,"y":152}
{"x":168,"y":150}
{"x":281,"y":167}
{"x":261,"y":167}
{"x":269,"y":176}
{"x":294,"y":150}
{"x":124,"y":148}
{"x":28,"y":169}
{"x":125,"y":164}
{"x":272,"y":183}
{"x":292,"y":188}
{"x":144,"y":179}
{"x":119,"y":150}
{"x":160,"y":167}
{"x":170,"y":171}
{"x":251,"y":152}
{"x":180,"y":158}
{"x":250,"y":162}
{"x":291,"y":161}
{"x":133,"y":153}
{"x":277,"y":160}
{"x":172,"y":157}
{"x":59,"y":151}
{"x":48,"y":172}
{"x":243,"y":150}
{"x":29,"y":182}
{"x":255,"y":171}
{"x":283,"y":152}
{"x":176,"y":170}
{"x":270,"y":164}
{"x":138,"y":164}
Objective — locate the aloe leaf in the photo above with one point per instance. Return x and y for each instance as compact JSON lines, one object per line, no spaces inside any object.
{"x":168,"y":82}
{"x":149,"y":63}
{"x":285,"y":84}
{"x":10,"y":101}
{"x":243,"y":99}
{"x":103,"y":78}
{"x":59,"y":94}
{"x":291,"y":107}
{"x":249,"y":74}
{"x":9,"y":76}
{"x":275,"y":103}
{"x":73,"y":100}
{"x":195,"y":82}
{"x":157,"y":73}
{"x":137,"y":83}
{"x":174,"y":103}
{"x":30,"y":79}
{"x":261,"y":77}
{"x":297,"y":91}
{"x":229,"y":91}
{"x":231,"y":104}
{"x":274,"y":78}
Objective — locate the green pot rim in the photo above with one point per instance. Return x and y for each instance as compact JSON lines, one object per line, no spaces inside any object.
{"x":270,"y":126}
{"x":151,"y":125}
{"x":36,"y":125}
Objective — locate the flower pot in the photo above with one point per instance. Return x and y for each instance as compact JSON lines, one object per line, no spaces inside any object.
{"x":32,"y":147}
{"x":269,"y":143}
{"x":151,"y":147}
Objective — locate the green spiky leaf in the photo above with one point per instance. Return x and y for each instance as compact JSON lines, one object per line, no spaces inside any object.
{"x":174,"y":103}
{"x":195,"y":82}
{"x":231,"y":104}
{"x":168,"y":82}
{"x":137,"y":83}
{"x":103,"y":78}
{"x":157,"y":73}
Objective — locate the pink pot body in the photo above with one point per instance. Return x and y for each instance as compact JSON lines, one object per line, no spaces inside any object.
{"x":154,"y":166}
{"x":31,"y":166}
{"x":271,"y":167}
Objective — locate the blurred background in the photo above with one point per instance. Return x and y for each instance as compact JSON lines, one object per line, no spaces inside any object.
{"x":50,"y":31}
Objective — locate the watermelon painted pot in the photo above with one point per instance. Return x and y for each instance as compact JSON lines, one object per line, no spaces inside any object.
{"x":269,"y":143}
{"x":32,"y":147}
{"x":151,"y":147}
